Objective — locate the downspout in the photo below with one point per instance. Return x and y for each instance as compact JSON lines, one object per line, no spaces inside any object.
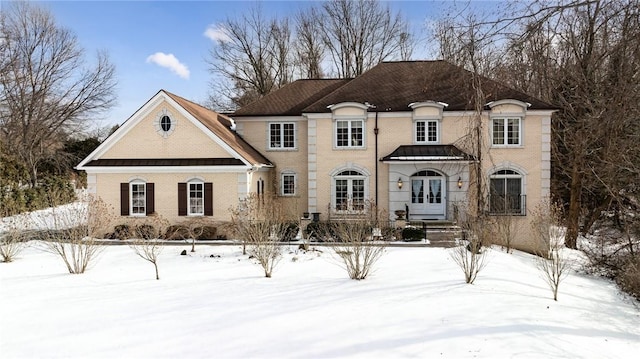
{"x":375,"y":132}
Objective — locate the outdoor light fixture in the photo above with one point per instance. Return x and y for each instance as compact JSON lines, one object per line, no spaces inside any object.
{"x":399,"y":183}
{"x":459,"y":182}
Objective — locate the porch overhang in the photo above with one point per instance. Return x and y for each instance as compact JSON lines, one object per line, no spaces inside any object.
{"x":427,"y":153}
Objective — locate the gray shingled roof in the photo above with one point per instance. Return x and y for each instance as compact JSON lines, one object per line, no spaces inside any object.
{"x":292,"y":98}
{"x":390,"y":86}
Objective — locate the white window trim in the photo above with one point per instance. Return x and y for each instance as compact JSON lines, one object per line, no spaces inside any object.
{"x":131,"y":184}
{"x":521,"y":174}
{"x":350,"y":120}
{"x":157,"y":123}
{"x":364,"y":175}
{"x":426,"y":121}
{"x":281,"y":125}
{"x":295,"y":183}
{"x":189,"y":213}
{"x":506,"y":133}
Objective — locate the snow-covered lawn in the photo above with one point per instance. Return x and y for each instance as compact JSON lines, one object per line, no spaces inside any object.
{"x":215,"y":304}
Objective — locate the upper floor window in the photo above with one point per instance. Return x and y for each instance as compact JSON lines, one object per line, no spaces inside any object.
{"x":164,"y":123}
{"x":349,"y":133}
{"x":138,"y":199}
{"x":288,"y":184}
{"x":506,"y":131}
{"x":426,"y":131}
{"x":282,"y":135}
{"x":506,"y":193}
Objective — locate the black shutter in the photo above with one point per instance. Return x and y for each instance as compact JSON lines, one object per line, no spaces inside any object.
{"x":182,"y":199}
{"x":124,"y":199}
{"x":208,"y":199}
{"x":150,"y":199}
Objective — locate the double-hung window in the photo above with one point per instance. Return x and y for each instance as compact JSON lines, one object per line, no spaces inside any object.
{"x":196,"y":198}
{"x":426,"y":131}
{"x":288,"y":184}
{"x":506,"y":131}
{"x":349,"y":134}
{"x":138,"y":204}
{"x":282,"y":135}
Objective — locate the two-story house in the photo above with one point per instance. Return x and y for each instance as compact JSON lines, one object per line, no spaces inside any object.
{"x":403,"y":134}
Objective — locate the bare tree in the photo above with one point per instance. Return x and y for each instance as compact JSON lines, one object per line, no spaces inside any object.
{"x":262,"y":221}
{"x":552,"y":263}
{"x":71,"y":231}
{"x":584,"y":57}
{"x":251,"y":56}
{"x":12,"y":239}
{"x":466,"y":42}
{"x":149,"y":246}
{"x":505,"y":231}
{"x":47,"y":88}
{"x":309,"y":46}
{"x":471,"y":253}
{"x":359,"y":34}
{"x":354,"y":241}
{"x":195,"y":229}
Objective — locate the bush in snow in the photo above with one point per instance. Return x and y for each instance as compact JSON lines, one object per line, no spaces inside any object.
{"x":629,"y":278}
{"x":12,"y":240}
{"x":505,"y":229}
{"x":147,"y":244}
{"x":552,"y":262}
{"x":352,"y":241}
{"x":412,"y":234}
{"x":71,"y":231}
{"x":191,"y":230}
{"x":471,"y":253}
{"x":261,"y":221}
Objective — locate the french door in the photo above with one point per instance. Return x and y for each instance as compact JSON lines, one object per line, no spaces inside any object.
{"x":427,"y":196}
{"x":350,"y":194}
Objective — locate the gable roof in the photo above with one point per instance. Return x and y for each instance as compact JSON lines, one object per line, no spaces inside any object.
{"x":390,"y":86}
{"x":292,"y":98}
{"x":220,"y":125}
{"x":217,"y":125}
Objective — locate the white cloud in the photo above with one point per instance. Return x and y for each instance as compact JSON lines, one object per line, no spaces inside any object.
{"x":171,"y":62}
{"x":217,"y":33}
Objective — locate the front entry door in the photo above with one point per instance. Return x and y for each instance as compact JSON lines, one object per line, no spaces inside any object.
{"x":427,"y":196}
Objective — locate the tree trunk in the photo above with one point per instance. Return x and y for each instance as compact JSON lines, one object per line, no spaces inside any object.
{"x":573,"y":217}
{"x":156,"y":267}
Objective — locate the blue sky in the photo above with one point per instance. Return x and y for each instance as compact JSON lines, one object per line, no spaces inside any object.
{"x":143,"y":38}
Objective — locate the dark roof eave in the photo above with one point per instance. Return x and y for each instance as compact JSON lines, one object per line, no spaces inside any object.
{"x":426,"y":159}
{"x":164,"y":162}
{"x":428,"y":153}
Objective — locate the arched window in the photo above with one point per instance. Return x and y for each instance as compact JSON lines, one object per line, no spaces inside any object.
{"x":138,"y":198}
{"x":507,"y":193}
{"x":349,"y":190}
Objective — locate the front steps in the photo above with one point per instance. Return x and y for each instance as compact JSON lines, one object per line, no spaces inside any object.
{"x":439,"y":233}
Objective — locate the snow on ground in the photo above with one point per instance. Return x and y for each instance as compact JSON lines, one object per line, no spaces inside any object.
{"x":415,"y":304}
{"x":68,"y":215}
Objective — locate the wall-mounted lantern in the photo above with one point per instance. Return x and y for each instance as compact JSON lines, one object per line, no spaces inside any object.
{"x":399,"y":183}
{"x":459,"y":182}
